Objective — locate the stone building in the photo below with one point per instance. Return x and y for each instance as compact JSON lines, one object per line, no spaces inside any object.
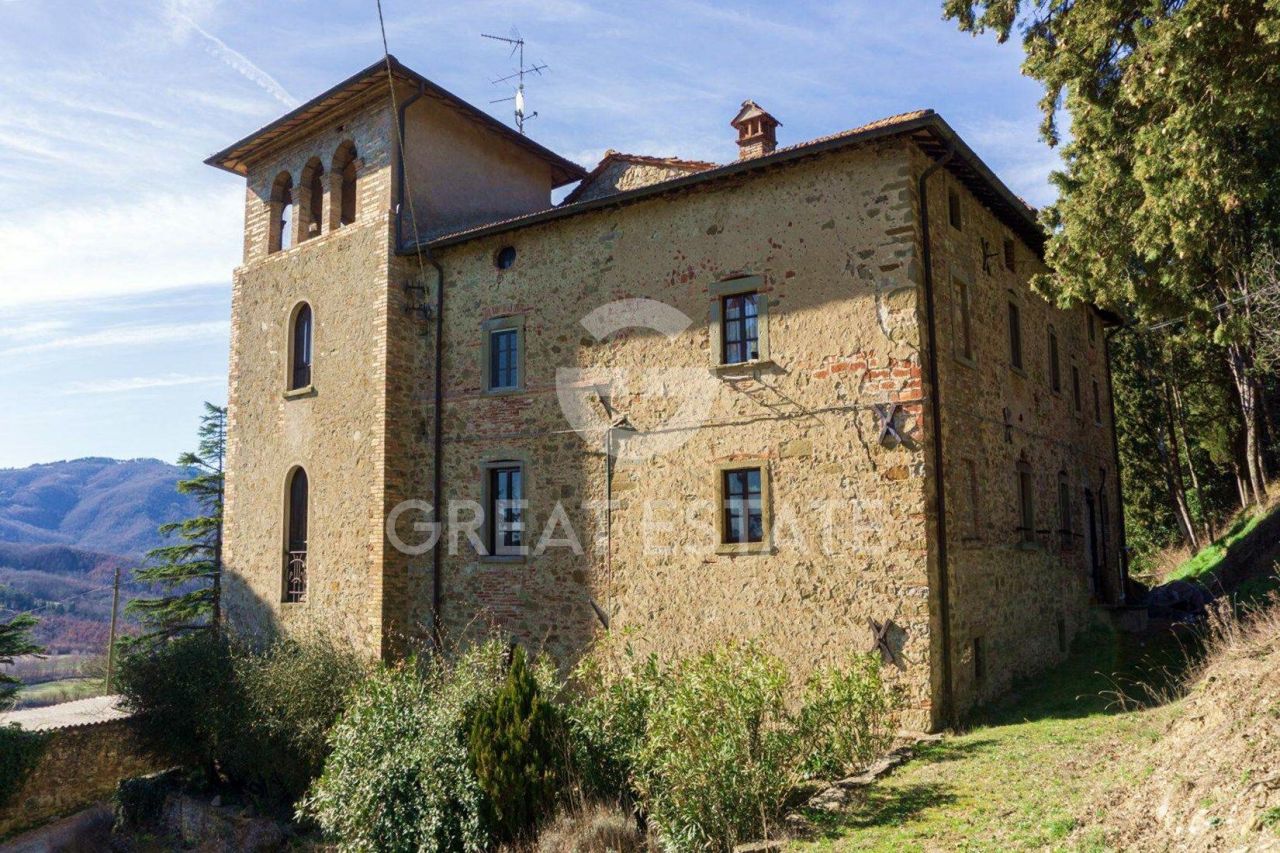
{"x":805,"y":397}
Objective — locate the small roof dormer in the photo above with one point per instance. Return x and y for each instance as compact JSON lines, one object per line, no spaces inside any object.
{"x":757,"y":134}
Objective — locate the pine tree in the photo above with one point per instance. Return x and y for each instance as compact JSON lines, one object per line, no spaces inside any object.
{"x":191,"y":569}
{"x":15,"y":640}
{"x":517,"y":753}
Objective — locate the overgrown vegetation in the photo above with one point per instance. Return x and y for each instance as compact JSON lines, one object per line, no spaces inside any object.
{"x":253,"y":720}
{"x":466,"y":754}
{"x":20,"y":751}
{"x":1168,"y":213}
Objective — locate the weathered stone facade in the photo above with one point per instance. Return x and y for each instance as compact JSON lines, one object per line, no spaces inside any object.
{"x":837,"y":411}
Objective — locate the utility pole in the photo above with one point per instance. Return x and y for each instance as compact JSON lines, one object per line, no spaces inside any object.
{"x":111,"y":643}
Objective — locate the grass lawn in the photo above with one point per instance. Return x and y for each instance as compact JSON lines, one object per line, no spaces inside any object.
{"x":1020,"y":778}
{"x":1209,"y":558}
{"x":63,"y":690}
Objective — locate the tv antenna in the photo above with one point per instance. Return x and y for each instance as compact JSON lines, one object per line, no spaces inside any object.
{"x":517,"y":49}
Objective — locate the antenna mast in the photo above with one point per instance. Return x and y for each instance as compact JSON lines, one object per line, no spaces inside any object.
{"x":517,"y":48}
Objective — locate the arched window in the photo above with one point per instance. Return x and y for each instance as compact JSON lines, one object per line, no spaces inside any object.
{"x":343,"y":182}
{"x":313,"y":181}
{"x":295,"y":577}
{"x":300,"y":348}
{"x":281,"y":236}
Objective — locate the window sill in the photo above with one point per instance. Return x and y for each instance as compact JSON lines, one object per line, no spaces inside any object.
{"x":1028,"y":546}
{"x":296,"y":393}
{"x":743,"y":367}
{"x":738,"y":549}
{"x":504,"y":558}
{"x":503,"y":392}
{"x":967,"y":361}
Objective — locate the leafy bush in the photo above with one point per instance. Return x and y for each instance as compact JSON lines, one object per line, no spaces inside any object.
{"x":190,"y":707}
{"x":20,"y":751}
{"x":712,"y":745}
{"x":518,"y":752}
{"x":607,"y":724}
{"x":846,"y":720}
{"x":294,"y":692}
{"x":399,"y":777}
{"x":255,"y":720}
{"x":719,"y":753}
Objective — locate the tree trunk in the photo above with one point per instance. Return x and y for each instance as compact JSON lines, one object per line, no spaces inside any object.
{"x":1241,"y":489}
{"x":1247,"y":392}
{"x":1181,"y":413}
{"x":1173,"y":474}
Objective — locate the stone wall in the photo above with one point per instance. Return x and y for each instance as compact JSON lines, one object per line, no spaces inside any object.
{"x":77,"y":767}
{"x":1022,"y":601}
{"x":831,"y":241}
{"x":334,"y":430}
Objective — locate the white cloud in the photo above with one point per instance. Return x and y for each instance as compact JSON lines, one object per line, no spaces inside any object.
{"x":157,"y":242}
{"x":182,"y":17}
{"x":140,"y":383}
{"x":33,"y":329}
{"x":124,"y":336}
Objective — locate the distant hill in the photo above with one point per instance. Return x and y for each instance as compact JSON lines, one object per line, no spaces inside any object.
{"x":102,"y":505}
{"x":66,"y":526}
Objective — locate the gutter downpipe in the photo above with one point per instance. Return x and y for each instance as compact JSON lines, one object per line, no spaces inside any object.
{"x":940,"y":498}
{"x":1115,"y":456}
{"x":437,"y":440}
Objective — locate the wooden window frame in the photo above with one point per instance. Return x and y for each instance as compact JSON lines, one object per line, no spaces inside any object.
{"x":1026,"y":504}
{"x":296,"y":551}
{"x":1013,"y":314}
{"x":765,"y":545}
{"x":1055,"y":362}
{"x":955,"y":213}
{"x":737,"y":287}
{"x":1010,"y":255}
{"x":293,"y":387}
{"x":489,"y":328}
{"x":489,"y":529}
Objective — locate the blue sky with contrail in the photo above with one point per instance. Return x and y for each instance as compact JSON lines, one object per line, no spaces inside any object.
{"x":117,"y":243}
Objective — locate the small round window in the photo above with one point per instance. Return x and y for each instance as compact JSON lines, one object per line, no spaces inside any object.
{"x":505,"y":258}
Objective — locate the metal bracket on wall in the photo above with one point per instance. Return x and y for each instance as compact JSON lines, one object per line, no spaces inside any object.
{"x":880,"y":640}
{"x":888,"y":413}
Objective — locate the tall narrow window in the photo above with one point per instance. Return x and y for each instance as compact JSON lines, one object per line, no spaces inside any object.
{"x":1015,"y":336}
{"x":504,"y":359}
{"x":741,"y":328}
{"x":743,"y":507}
{"x":1055,"y":368}
{"x":313,"y":180}
{"x":1097,"y":403}
{"x":1093,"y":334}
{"x":1010,"y":255}
{"x":1065,"y":531}
{"x":953,"y":209}
{"x":280,"y":236}
{"x":1075,"y":388}
{"x":295,"y":586}
{"x":300,"y":348}
{"x":975,"y":499}
{"x":1026,"y":504}
{"x":964,"y":321}
{"x":506,"y":511}
{"x":345,"y":165}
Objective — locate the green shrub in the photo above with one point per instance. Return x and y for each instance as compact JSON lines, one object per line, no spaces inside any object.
{"x":139,"y":801}
{"x":20,"y":752}
{"x":190,"y":707}
{"x":294,"y":692}
{"x":711,"y":746}
{"x":847,"y":718}
{"x":399,"y":777}
{"x":254,"y":720}
{"x":607,"y":724}
{"x":719,"y":754}
{"x":518,"y":753}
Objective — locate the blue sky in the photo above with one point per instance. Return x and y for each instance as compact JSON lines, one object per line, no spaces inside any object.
{"x":117,"y":243}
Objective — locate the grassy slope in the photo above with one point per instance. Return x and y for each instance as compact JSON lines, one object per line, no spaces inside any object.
{"x":1019,"y":779}
{"x":1212,"y":565}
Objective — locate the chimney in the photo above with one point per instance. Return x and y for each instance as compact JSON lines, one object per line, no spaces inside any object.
{"x":755,"y":127}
